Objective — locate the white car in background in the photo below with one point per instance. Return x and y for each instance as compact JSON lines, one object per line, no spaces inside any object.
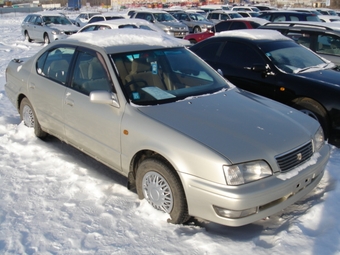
{"x":84,"y":17}
{"x":126,"y":23}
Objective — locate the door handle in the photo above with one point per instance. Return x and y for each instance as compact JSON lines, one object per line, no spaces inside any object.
{"x":69,"y":101}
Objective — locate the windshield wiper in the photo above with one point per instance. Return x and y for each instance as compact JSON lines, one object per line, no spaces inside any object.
{"x":320,"y":66}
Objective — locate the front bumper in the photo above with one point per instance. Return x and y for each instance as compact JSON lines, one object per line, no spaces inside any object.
{"x":178,"y":34}
{"x":268,"y":196}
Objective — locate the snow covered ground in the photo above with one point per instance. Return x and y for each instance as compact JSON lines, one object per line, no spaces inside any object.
{"x":56,"y":200}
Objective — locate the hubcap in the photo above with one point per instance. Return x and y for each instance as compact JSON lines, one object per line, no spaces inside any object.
{"x":28,"y":116}
{"x":157,"y":192}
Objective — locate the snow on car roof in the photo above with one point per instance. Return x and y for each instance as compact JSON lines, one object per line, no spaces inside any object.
{"x":126,"y":37}
{"x":254,"y":34}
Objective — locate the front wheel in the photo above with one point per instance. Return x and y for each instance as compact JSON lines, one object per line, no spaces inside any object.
{"x":46,"y":39}
{"x":157,"y":182}
{"x":27,"y":37}
{"x":314,"y":110}
{"x":197,"y":30}
{"x":27,"y":114}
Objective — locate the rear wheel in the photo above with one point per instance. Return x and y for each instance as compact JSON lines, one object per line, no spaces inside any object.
{"x":157,"y":182}
{"x":27,"y":37}
{"x":46,"y":39}
{"x":27,"y":114}
{"x":314,"y":110}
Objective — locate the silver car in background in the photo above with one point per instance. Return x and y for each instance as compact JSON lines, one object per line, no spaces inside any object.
{"x":164,"y":21}
{"x":47,"y":27}
{"x":187,"y":140}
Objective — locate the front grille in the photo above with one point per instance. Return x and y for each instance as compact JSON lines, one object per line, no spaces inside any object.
{"x":289,"y":160}
{"x":70,"y":32}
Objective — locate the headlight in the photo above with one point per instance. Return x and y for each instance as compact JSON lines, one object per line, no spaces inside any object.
{"x":55,"y":32}
{"x":246,"y":172}
{"x":318,"y":139}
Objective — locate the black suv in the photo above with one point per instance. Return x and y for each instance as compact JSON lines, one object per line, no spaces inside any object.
{"x":322,"y":38}
{"x":272,"y":65}
{"x":276,"y":16}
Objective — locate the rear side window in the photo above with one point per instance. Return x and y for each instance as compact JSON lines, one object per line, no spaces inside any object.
{"x":237,"y":25}
{"x":231,"y":54}
{"x":312,"y":18}
{"x":294,"y":18}
{"x":208,"y":51}
{"x":55,"y":64}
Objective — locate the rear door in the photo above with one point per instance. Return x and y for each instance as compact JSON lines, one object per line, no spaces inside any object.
{"x":47,"y":87}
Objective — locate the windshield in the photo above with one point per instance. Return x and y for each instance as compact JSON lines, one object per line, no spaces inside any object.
{"x":59,"y":20}
{"x":161,"y":17}
{"x":198,"y":17}
{"x":292,"y":57}
{"x":166,"y":75}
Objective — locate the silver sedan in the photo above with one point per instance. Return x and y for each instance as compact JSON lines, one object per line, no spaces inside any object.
{"x":187,"y":140}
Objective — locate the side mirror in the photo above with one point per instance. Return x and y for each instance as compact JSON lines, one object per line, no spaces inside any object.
{"x":259,"y":68}
{"x":104,"y":97}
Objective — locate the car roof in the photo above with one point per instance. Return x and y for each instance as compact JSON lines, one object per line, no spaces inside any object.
{"x":288,"y":11}
{"x":108,"y":14}
{"x":122,"y":40}
{"x":48,"y":14}
{"x":254,"y":35}
{"x":253,"y":19}
{"x":151,"y":11}
{"x":118,"y":22}
{"x":307,"y":25}
{"x":223,"y":11}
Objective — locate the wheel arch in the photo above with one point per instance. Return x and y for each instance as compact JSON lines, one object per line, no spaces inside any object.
{"x":20,"y":98}
{"x":296,"y":102}
{"x":138,"y":158}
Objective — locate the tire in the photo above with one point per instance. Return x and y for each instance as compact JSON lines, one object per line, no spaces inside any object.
{"x":157,"y":182}
{"x":193,"y":41}
{"x":46,"y":39}
{"x":314,"y":110}
{"x":197,"y":30}
{"x":27,"y":37}
{"x":27,"y":114}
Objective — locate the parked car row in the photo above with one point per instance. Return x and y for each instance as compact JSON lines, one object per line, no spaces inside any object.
{"x":186,"y":139}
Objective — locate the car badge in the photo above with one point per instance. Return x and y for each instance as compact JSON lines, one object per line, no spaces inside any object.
{"x":299,"y":156}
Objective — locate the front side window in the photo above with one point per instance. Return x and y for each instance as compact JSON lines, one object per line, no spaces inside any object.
{"x":55,"y":64}
{"x":291,"y":57}
{"x":90,"y":73}
{"x":328,"y":44}
{"x":165,"y":75}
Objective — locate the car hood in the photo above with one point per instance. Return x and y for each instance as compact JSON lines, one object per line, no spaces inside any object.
{"x":204,"y":23}
{"x":175,"y":24}
{"x":63,"y":27}
{"x":237,"y":124}
{"x":327,"y":75}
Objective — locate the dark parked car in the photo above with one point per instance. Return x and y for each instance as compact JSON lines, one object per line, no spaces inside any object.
{"x":232,"y":24}
{"x":275,"y":16}
{"x":322,"y":38}
{"x":270,"y":64}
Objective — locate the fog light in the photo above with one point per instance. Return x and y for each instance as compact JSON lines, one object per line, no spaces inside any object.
{"x":232,"y":214}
